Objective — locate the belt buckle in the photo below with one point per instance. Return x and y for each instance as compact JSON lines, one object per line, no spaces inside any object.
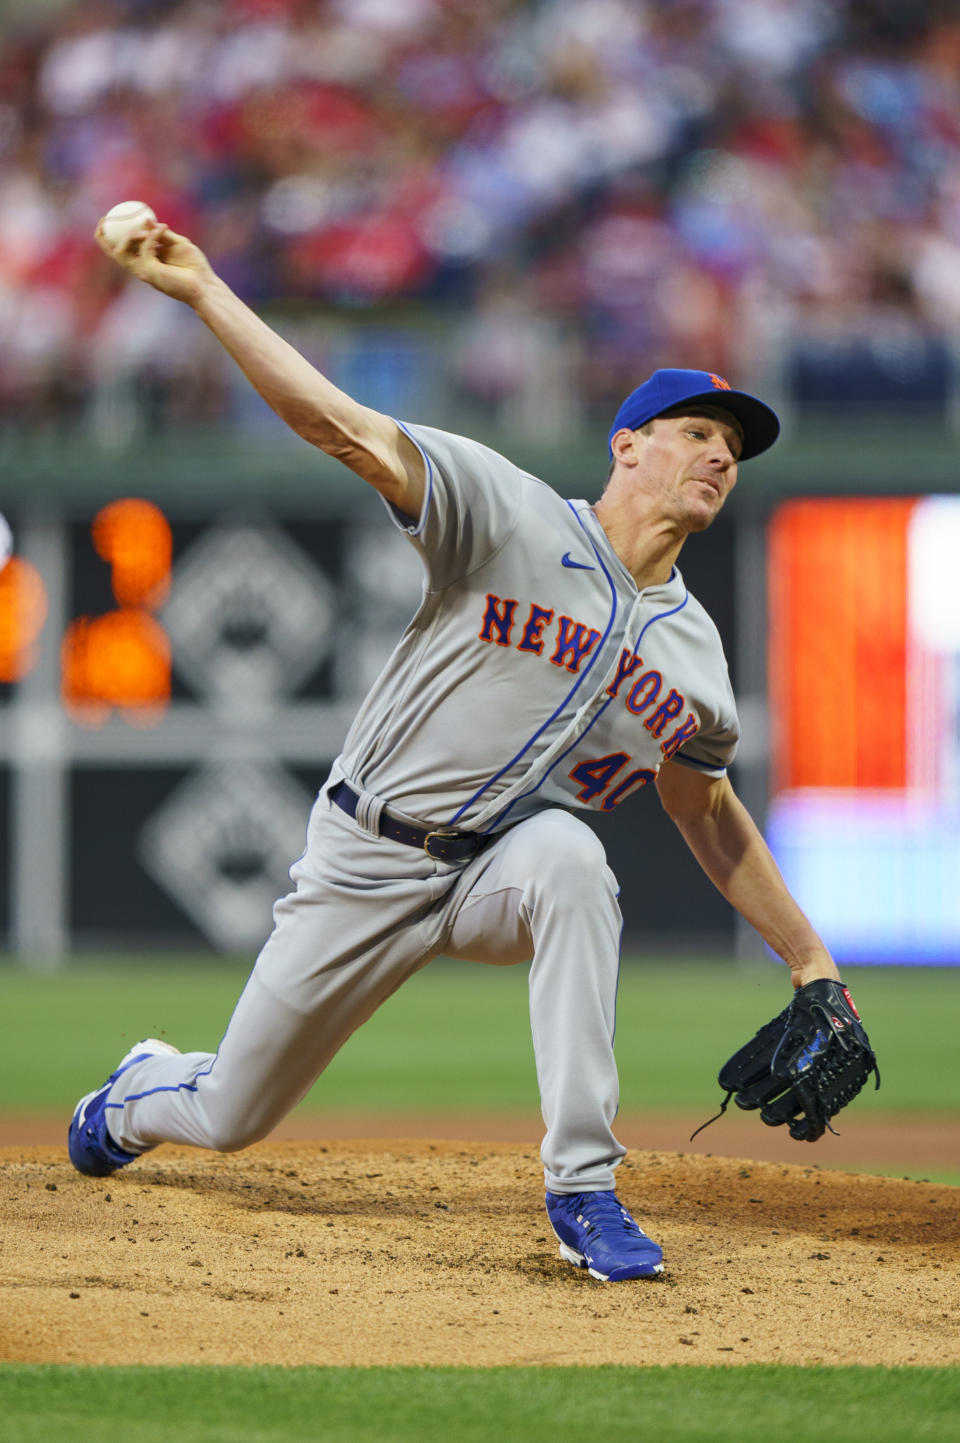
{"x":443,"y":834}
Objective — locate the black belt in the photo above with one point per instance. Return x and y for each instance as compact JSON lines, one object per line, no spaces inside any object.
{"x":443,"y":844}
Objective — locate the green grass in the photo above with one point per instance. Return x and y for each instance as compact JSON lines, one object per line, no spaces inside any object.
{"x":457,"y":1035}
{"x":751,"y":1404}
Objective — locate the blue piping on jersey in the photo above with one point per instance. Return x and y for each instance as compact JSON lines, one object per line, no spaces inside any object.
{"x":573,"y":746}
{"x":425,"y":507}
{"x":567,"y":699}
{"x":681,"y":756}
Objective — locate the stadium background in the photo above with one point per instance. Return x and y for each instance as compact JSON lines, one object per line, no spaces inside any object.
{"x":494,"y":218}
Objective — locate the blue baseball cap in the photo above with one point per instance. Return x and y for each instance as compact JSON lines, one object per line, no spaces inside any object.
{"x":666,"y":389}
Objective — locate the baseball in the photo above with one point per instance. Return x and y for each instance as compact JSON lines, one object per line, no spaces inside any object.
{"x":125,"y":218}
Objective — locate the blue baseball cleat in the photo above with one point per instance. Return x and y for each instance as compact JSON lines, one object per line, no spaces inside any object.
{"x":92,"y":1149}
{"x":597,"y":1233}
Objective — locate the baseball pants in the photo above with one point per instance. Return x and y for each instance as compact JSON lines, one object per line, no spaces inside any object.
{"x":364,"y":915}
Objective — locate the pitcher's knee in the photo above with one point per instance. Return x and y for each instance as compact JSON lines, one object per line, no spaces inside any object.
{"x":567,"y":860}
{"x":232,"y":1134}
{"x":581,"y":860}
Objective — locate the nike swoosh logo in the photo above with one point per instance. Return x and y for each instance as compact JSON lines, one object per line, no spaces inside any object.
{"x":568,"y":561}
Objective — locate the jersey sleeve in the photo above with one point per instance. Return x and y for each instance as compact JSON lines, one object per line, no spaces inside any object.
{"x":471,"y":504}
{"x":712,"y":750}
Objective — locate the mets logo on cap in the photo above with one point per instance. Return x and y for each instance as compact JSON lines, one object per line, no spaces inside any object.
{"x":719,"y":382}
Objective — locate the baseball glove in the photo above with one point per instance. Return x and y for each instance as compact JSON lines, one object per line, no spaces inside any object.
{"x":803,"y":1066}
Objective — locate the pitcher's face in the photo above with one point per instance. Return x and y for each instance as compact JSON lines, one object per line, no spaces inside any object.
{"x":686,"y":462}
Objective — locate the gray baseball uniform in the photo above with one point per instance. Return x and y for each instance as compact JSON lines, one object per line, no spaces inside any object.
{"x":534,"y":679}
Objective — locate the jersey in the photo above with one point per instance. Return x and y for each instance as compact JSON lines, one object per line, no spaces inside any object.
{"x":535,"y":673}
{"x":534,"y":680}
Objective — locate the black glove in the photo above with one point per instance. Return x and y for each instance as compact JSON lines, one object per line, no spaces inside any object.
{"x":802,"y":1067}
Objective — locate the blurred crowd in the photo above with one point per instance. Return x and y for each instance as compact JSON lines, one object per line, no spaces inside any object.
{"x":560,"y":194}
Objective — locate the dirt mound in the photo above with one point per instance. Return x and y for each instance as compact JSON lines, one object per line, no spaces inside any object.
{"x":419,"y":1252}
{"x":895,"y":1142}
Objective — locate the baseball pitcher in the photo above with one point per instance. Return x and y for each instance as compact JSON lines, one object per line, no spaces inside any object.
{"x":557,"y":663}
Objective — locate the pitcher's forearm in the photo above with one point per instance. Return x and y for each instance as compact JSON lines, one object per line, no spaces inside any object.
{"x":755,"y":887}
{"x":300,"y":395}
{"x":369,"y":443}
{"x":730,"y":849}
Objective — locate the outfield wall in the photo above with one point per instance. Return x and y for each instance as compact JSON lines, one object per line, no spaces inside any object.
{"x":156,"y":774}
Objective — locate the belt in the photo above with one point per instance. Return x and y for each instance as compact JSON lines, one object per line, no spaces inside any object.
{"x":443,"y":844}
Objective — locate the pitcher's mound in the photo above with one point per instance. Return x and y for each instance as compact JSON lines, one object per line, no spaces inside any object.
{"x":440,"y":1253}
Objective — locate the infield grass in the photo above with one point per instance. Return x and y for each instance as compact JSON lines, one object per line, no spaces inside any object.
{"x":457,"y":1035}
{"x":750,"y":1404}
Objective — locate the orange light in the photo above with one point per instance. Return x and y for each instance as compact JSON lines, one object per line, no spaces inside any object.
{"x":134,"y":537}
{"x":122,"y":660}
{"x":837,"y":638}
{"x":118,"y":660}
{"x":23,"y":610}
